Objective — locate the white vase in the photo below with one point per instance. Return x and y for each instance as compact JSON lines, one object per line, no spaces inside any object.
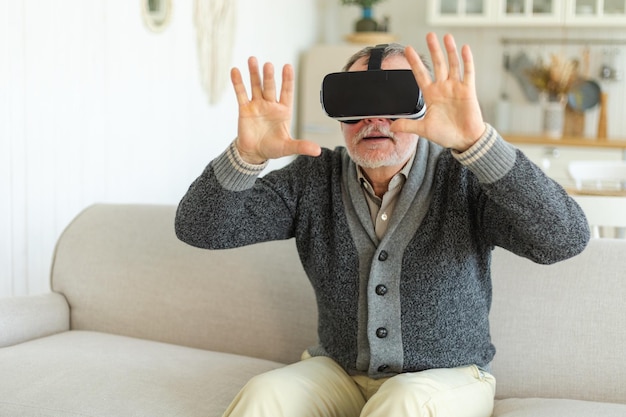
{"x":553,"y":115}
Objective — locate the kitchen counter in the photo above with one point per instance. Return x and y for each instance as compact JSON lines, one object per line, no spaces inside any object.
{"x":596,"y":192}
{"x":553,"y":155}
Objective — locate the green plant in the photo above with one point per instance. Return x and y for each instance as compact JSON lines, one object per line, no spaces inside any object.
{"x":362,"y":3}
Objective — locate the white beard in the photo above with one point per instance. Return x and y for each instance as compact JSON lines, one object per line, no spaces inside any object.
{"x":377,"y":160}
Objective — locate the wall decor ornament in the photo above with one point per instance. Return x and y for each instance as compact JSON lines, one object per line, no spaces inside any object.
{"x":215,"y":30}
{"x":156,"y":14}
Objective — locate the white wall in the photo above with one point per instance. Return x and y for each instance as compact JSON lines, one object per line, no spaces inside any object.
{"x":96,"y":108}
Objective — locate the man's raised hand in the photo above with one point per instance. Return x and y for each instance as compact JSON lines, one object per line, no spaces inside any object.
{"x":264,"y":123}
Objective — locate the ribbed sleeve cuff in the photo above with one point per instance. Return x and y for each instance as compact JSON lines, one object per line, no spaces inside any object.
{"x":490,"y":158}
{"x":233,"y":173}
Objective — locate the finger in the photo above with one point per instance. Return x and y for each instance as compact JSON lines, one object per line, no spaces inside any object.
{"x":255,"y":78}
{"x":440,"y":67}
{"x":453,"y":57}
{"x":269,"y":84}
{"x":421,"y":73}
{"x":469,"y":72}
{"x":240,"y":88}
{"x":287,"y":87}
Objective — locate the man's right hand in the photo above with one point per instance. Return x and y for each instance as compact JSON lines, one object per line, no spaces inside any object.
{"x":264,"y":122}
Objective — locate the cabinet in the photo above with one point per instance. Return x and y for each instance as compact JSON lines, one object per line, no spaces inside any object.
{"x":527,"y":12}
{"x":461,"y":12}
{"x":594,"y":12}
{"x":535,"y":12}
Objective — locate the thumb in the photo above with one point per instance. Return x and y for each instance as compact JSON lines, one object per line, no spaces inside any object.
{"x":302,"y":147}
{"x":407,"y":126}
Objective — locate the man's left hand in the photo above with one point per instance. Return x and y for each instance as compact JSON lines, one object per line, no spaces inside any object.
{"x":453,"y":117}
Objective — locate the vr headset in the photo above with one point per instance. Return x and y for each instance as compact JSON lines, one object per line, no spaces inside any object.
{"x":351,"y":96}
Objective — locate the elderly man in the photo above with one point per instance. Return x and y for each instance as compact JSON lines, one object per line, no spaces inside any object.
{"x":395,"y":232}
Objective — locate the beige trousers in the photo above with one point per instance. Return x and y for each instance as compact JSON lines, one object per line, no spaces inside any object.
{"x":319,"y":387}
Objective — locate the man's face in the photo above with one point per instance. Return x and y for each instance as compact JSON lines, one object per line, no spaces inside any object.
{"x":369,"y":141}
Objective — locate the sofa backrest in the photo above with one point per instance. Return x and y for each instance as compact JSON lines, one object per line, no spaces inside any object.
{"x":560,"y":330}
{"x":123,"y":271}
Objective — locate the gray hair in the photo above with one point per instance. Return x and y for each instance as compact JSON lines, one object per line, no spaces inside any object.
{"x":391,"y":49}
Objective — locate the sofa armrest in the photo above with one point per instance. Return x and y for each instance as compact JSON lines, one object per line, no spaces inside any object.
{"x":30,"y":317}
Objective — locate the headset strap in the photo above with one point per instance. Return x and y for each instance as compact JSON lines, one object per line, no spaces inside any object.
{"x":376,"y":57}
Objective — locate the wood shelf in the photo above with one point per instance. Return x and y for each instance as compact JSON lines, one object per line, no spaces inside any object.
{"x":565,"y":141}
{"x":371,"y":38}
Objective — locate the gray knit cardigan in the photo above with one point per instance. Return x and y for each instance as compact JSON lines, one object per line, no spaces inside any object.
{"x":419,"y":298}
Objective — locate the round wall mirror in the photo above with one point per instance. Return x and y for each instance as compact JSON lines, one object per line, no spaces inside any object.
{"x":156,"y":14}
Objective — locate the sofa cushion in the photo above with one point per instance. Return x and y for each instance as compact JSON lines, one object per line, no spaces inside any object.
{"x":545,"y":407}
{"x":79,"y":373}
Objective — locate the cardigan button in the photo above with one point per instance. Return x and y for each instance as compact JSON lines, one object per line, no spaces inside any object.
{"x":383,"y":255}
{"x":381,"y":332}
{"x":383,"y":368}
{"x":381,"y":289}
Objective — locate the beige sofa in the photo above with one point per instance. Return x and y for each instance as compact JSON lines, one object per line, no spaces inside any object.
{"x":140,"y":324}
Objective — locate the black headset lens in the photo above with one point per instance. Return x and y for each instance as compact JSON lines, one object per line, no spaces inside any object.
{"x":351,"y":96}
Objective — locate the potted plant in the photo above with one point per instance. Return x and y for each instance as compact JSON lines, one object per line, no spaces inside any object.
{"x":553,"y":80}
{"x":366,"y":23}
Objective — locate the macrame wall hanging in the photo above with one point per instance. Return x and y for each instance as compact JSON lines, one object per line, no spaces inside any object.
{"x":215,"y":30}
